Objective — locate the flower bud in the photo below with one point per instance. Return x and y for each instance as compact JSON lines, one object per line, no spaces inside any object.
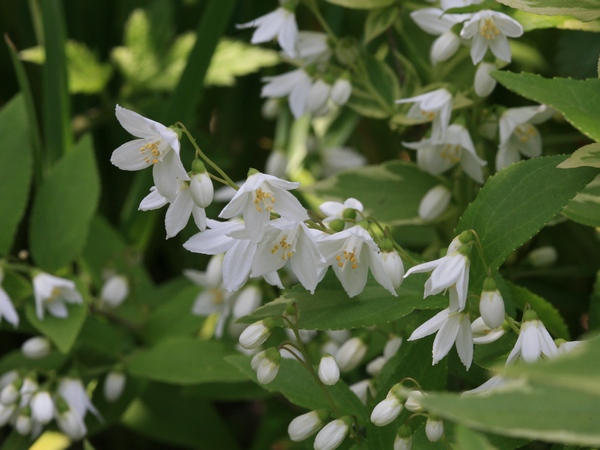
{"x":444,"y":47}
{"x":329,"y":372}
{"x":42,"y":407}
{"x":543,"y":256}
{"x":337,"y":225}
{"x":36,"y":347}
{"x":434,"y":429}
{"x":393,"y":267}
{"x":403,"y":439}
{"x":317,"y":97}
{"x":24,"y":424}
{"x":256,"y":334}
{"x":115,"y":290}
{"x":341,"y":90}
{"x":270,"y":108}
{"x":304,"y":426}
{"x":350,"y":354}
{"x":202,"y":189}
{"x":6,"y":412}
{"x":363,"y":389}
{"x":268,"y":367}
{"x":10,"y":393}
{"x":375,"y":366}
{"x":114,"y":384}
{"x":413,"y":402}
{"x":491,"y":305}
{"x":391,"y":347}
{"x":332,"y":434}
{"x":484,"y":84}
{"x":70,"y":422}
{"x":386,"y":411}
{"x":434,"y":203}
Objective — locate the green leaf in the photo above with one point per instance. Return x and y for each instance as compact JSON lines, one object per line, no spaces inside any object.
{"x":62,"y":332}
{"x":586,"y":10}
{"x":233,"y":59}
{"x":15,"y":441}
{"x":515,"y":204}
{"x":331,"y":309}
{"x":379,"y":20}
{"x":299,"y":387}
{"x":544,"y":309}
{"x":64,"y":207}
{"x":391,"y":192}
{"x":183,"y":360}
{"x":15,"y":359}
{"x":585,"y":207}
{"x":15,"y":169}
{"x":362,"y":4}
{"x":531,"y":21}
{"x":467,"y":439}
{"x":578,"y":100}
{"x":586,"y":156}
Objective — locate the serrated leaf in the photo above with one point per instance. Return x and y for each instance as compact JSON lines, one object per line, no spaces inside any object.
{"x":531,"y":21}
{"x":362,"y":4}
{"x":391,"y":192}
{"x":586,"y":156}
{"x":63,"y":208}
{"x":379,"y":20}
{"x":15,"y":169}
{"x":62,"y":332}
{"x":515,"y":204}
{"x":583,"y":10}
{"x":183,"y":360}
{"x":578,"y":100}
{"x":299,"y":387}
{"x":331,"y":309}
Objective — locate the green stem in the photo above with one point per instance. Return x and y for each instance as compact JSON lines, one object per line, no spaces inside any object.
{"x":512,"y":323}
{"x":480,"y":251}
{"x":312,"y":5}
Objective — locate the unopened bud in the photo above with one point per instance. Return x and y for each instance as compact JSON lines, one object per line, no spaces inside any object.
{"x":36,"y":347}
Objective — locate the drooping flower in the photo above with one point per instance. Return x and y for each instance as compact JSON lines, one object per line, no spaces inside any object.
{"x":393,"y":267}
{"x":363,"y":390}
{"x":266,"y":364}
{"x":329,"y":372}
{"x":36,"y":347}
{"x":484,"y":84}
{"x":51,"y":293}
{"x":260,"y":195}
{"x":403,"y":439}
{"x":75,"y":394}
{"x":434,"y":429}
{"x":491,"y":304}
{"x":280,"y":23}
{"x":295,"y":85}
{"x":482,"y":334}
{"x":386,"y":411}
{"x":115,"y":290}
{"x":312,"y":47}
{"x":518,"y":135}
{"x":257,"y":333}
{"x":437,"y":156}
{"x":201,"y":189}
{"x":434,"y":202}
{"x":341,"y":91}
{"x":435,"y":107}
{"x":350,"y":354}
{"x":318,"y":97}
{"x":304,"y":426}
{"x":157,"y":146}
{"x":7,"y":310}
{"x":42,"y":407}
{"x":490,"y":29}
{"x":534,"y":341}
{"x":333,"y":434}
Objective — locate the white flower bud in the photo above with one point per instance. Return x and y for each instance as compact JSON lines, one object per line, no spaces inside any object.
{"x":413,"y":402}
{"x":304,"y":426}
{"x":10,"y":393}
{"x":42,"y":407}
{"x":375,"y":366}
{"x":543,"y":256}
{"x":24,"y":424}
{"x":341,"y":90}
{"x":386,"y":411}
{"x":482,"y":334}
{"x":329,"y":372}
{"x":268,"y":365}
{"x":401,"y":443}
{"x":484,"y":84}
{"x":270,"y":108}
{"x":434,"y":429}
{"x":255,"y":334}
{"x":317,"y":97}
{"x":332,"y":434}
{"x":115,"y":290}
{"x":350,"y":354}
{"x":276,"y":164}
{"x":114,"y":384}
{"x":363,"y":389}
{"x":36,"y":347}
{"x":71,"y":424}
{"x":434,"y":203}
{"x":393,"y":267}
{"x":491,"y":308}
{"x":444,"y":47}
{"x":6,"y":412}
{"x":202,"y":189}
{"x":391,"y":347}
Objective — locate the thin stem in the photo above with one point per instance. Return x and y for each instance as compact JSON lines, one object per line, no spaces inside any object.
{"x":312,"y":5}
{"x":513,"y":324}
{"x":216,"y":178}
{"x":480,"y":251}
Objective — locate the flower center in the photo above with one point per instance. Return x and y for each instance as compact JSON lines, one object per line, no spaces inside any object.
{"x":451,"y":153}
{"x":287,"y":250}
{"x":488,"y":29}
{"x":264,"y":198}
{"x":151,"y":153}
{"x":54,"y":294}
{"x":525,"y":132}
{"x":429,"y":115}
{"x":217,"y":295}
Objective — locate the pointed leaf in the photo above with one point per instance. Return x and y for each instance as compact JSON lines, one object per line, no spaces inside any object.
{"x":62,"y":332}
{"x":583,"y":10}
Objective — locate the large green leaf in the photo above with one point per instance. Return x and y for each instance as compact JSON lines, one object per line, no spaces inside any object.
{"x":391,"y":192}
{"x":515,"y":204}
{"x":62,"y":332}
{"x":183,"y":360}
{"x":582,"y":9}
{"x":379,"y":20}
{"x":331,"y":309}
{"x":362,"y":4}
{"x":64,"y":207}
{"x":585,"y":207}
{"x":586,"y":156}
{"x":578,"y":100}
{"x":15,"y":169}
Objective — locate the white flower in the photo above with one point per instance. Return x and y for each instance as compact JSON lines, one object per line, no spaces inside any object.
{"x":375,"y":366}
{"x":413,"y":401}
{"x":434,"y":202}
{"x":114,"y":384}
{"x":280,"y":23}
{"x":393,"y":267}
{"x":489,"y":29}
{"x":295,"y":85}
{"x":402,"y":443}
{"x":338,"y":211}
{"x":245,"y":302}
{"x":482,"y":334}
{"x":336,"y":159}
{"x":435,"y":22}
{"x":449,"y":272}
{"x":484,"y":84}
{"x":452,"y":328}
{"x":391,"y":347}
{"x":434,"y":106}
{"x":24,"y":424}
{"x":10,"y":393}
{"x":7,"y":310}
{"x":260,"y":195}
{"x":115,"y":290}
{"x":565,"y":347}
{"x":286,"y":241}
{"x":341,"y":91}
{"x":312,"y":47}
{"x":329,"y":372}
{"x":202,"y":189}
{"x":269,"y":367}
{"x":6,"y":412}
{"x":256,"y":334}
{"x":437,"y":156}
{"x":52,"y":293}
{"x":158,"y":147}
{"x":42,"y":407}
{"x":434,"y":429}
{"x":316,"y":103}
{"x":444,"y":47}
{"x":386,"y":411}
{"x":352,"y":253}
{"x":73,"y":391}
{"x":491,"y":304}
{"x":36,"y":347}
{"x":533,"y":342}
{"x":543,"y":256}
{"x":363,"y":390}
{"x":350,"y":354}
{"x":332,"y":434}
{"x":304,"y":426}
{"x":69,"y":421}
{"x":518,"y":135}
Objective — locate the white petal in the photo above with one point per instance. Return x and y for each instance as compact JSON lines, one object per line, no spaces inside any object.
{"x":7,"y":310}
{"x":500,"y":47}
{"x":136,"y":124}
{"x":178,"y":213}
{"x":531,"y":349}
{"x":152,"y":201}
{"x":57,"y":309}
{"x":167,"y":175}
{"x":431,"y":326}
{"x":464,"y":341}
{"x":288,"y":34}
{"x":128,"y":157}
{"x":237,"y":264}
{"x":199,"y":215}
{"x":446,"y":336}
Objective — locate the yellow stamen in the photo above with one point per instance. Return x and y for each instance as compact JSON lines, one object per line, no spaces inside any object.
{"x":488,"y":29}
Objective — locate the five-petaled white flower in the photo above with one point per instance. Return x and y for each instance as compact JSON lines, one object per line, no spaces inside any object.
{"x":157,"y":146}
{"x":52,"y":293}
{"x":434,"y":106}
{"x":490,"y":29}
{"x":533,"y":342}
{"x":295,"y":85}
